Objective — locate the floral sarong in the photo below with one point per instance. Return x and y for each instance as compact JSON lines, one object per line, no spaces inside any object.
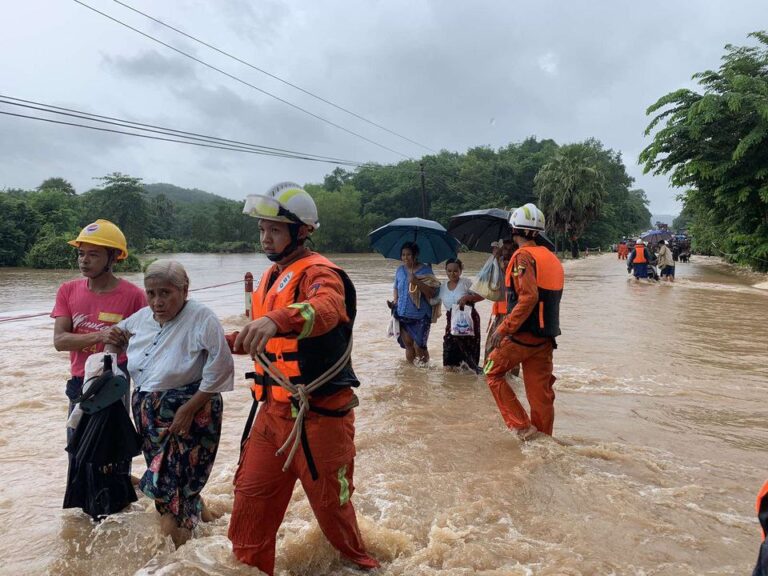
{"x":177,"y":466}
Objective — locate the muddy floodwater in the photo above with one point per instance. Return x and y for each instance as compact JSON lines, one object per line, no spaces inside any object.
{"x":660,"y":417}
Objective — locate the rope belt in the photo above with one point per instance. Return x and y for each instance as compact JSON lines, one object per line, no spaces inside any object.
{"x":300,"y":400}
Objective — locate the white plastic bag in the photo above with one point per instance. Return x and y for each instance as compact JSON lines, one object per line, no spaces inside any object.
{"x":393,"y":328}
{"x":461,"y":321}
{"x":489,"y":282}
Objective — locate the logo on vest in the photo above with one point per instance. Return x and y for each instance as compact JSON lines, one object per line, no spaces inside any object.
{"x":284,"y":281}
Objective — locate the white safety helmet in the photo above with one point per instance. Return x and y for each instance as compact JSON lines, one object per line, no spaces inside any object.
{"x":639,"y":241}
{"x":284,"y":202}
{"x":527,"y":219}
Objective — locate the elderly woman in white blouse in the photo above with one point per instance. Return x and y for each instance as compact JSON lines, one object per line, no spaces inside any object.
{"x":180,"y":364}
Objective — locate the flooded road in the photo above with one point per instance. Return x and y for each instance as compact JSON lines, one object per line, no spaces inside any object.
{"x":660,"y":409}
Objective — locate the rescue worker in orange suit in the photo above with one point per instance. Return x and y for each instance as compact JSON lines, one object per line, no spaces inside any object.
{"x":534,"y":282}
{"x":761,"y":568}
{"x":303,"y":312}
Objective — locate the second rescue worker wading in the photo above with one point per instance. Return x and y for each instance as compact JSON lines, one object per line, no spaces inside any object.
{"x":304,"y":309}
{"x":534,"y":282}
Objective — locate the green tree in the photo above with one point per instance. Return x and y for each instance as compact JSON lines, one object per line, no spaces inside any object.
{"x":57,"y":184}
{"x":57,"y":208}
{"x":19,"y":226}
{"x":122,"y":201}
{"x":714,"y":144}
{"x":570,"y":190}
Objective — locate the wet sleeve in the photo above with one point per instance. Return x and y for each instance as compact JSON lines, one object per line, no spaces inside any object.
{"x":219,"y":368}
{"x":524,"y":277}
{"x":61,"y":307}
{"x":320,"y":306}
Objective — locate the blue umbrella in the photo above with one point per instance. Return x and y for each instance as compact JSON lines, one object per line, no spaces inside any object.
{"x":435,"y":244}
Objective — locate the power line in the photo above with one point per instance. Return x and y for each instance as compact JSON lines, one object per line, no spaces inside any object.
{"x":30,"y":104}
{"x":274,"y":76}
{"x":240,"y":80}
{"x":51,"y":120}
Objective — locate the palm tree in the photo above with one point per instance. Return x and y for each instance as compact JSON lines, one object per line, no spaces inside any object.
{"x":570,"y":188}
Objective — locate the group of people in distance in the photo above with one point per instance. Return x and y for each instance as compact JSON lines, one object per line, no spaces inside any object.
{"x":301,"y":425}
{"x":642,"y":258}
{"x":523,"y":328}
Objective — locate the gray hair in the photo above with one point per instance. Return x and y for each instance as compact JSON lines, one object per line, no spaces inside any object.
{"x":169,"y":271}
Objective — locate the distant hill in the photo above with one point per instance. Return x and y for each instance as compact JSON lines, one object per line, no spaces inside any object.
{"x":180,"y":195}
{"x":663,"y":218}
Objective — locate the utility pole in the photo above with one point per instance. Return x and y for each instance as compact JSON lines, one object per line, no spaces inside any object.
{"x":423,"y":193}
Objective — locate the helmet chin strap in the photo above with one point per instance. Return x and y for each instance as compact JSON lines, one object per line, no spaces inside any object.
{"x":108,"y":267}
{"x":292,"y":246}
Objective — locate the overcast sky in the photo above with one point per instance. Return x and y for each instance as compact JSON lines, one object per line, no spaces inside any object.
{"x":450,"y":75}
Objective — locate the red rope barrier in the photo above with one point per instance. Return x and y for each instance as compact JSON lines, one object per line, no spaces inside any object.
{"x":27,"y":316}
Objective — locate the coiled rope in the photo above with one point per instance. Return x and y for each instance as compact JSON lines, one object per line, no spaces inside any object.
{"x":301,"y":393}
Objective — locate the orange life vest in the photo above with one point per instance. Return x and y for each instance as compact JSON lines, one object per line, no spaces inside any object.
{"x":301,"y":360}
{"x":499,"y":308}
{"x":640,"y":255}
{"x":544,"y":320}
{"x":761,"y":507}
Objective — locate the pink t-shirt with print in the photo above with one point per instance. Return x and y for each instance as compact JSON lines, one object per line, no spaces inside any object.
{"x":93,"y":312}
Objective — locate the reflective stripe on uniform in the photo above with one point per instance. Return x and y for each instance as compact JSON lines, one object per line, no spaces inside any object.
{"x":343,"y":486}
{"x":308,"y":313}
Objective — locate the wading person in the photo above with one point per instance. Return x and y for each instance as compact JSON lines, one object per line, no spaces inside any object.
{"x":665,"y":262}
{"x":303,"y":311}
{"x":503,"y":252}
{"x":181,"y":363}
{"x":460,"y":346}
{"x":638,"y":261}
{"x":415,"y":284}
{"x":86,"y":309}
{"x":526,"y":336}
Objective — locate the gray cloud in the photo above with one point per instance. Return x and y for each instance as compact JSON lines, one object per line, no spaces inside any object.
{"x":152,"y":65}
{"x":447,"y":74}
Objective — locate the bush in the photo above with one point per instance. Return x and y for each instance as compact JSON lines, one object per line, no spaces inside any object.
{"x":130,"y":264}
{"x":52,"y":252}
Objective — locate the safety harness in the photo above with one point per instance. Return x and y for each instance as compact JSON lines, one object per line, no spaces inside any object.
{"x":300,"y":394}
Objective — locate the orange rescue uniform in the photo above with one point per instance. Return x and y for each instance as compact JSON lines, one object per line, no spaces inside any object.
{"x":534,"y":280}
{"x":312,"y":302}
{"x":761,"y":507}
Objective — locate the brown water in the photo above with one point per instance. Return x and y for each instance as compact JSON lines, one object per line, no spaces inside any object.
{"x":661,"y":407}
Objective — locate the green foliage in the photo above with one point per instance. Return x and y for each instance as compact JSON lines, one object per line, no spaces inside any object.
{"x":162,"y":218}
{"x":130,"y":264}
{"x":58,"y":184}
{"x":571,"y":189}
{"x":342,"y":227}
{"x":715,"y":145}
{"x":52,"y":251}
{"x":122,"y":201}
{"x":19,"y":225}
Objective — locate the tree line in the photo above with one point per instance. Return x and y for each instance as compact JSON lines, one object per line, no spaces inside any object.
{"x":37,"y":224}
{"x":583,"y":188}
{"x":713,"y":144}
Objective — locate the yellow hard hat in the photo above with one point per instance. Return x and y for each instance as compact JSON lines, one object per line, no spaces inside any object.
{"x":103,"y":233}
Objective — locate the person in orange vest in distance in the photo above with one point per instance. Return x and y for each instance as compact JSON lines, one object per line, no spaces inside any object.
{"x":534,"y":282}
{"x":761,"y":568}
{"x":303,"y":312}
{"x":638,"y":260}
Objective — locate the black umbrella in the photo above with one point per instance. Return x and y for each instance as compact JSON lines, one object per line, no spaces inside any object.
{"x":476,"y":229}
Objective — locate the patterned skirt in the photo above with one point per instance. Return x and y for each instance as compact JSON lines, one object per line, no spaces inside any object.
{"x":177,"y":466}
